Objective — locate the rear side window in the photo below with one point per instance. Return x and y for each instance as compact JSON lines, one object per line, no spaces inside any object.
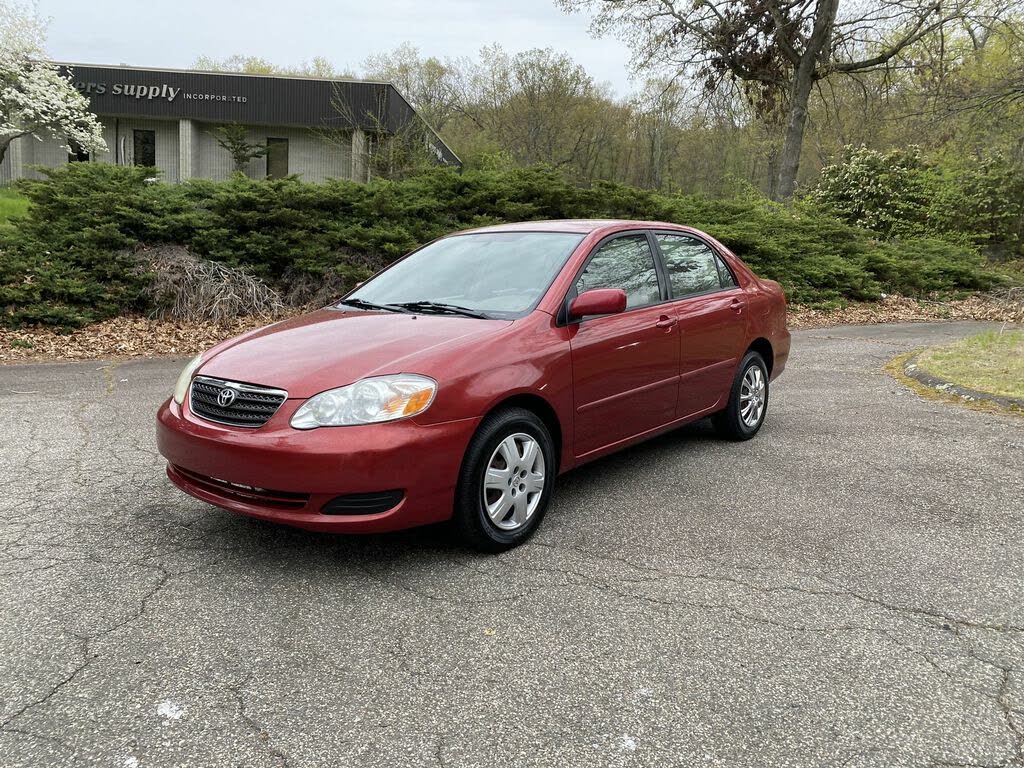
{"x":692,"y":266}
{"x":728,"y":278}
{"x":627,"y":263}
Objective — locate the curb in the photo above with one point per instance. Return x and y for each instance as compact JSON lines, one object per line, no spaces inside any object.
{"x":951,"y":388}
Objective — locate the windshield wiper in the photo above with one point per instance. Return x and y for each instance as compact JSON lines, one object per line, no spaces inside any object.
{"x":441,"y":308}
{"x":361,"y":304}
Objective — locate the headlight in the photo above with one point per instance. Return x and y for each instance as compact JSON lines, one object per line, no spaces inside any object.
{"x":368,"y":401}
{"x":181,"y":388}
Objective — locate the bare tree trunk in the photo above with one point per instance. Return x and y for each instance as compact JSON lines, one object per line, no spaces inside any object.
{"x":773,"y":172}
{"x":5,"y":142}
{"x":789,"y":161}
{"x":800,"y":95}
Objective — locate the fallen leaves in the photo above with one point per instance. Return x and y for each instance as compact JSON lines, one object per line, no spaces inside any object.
{"x":120,"y":337}
{"x":1003,"y":307}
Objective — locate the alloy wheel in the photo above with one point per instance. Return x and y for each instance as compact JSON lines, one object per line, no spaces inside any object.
{"x":753,"y":396}
{"x":514,"y":481}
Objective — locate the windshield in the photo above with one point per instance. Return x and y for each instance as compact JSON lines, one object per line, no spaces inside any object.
{"x":497,"y":274}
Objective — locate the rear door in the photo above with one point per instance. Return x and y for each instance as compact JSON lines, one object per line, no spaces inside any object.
{"x":625,"y":366}
{"x":712,"y":313}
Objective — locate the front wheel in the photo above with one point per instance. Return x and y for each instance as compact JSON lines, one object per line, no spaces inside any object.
{"x":748,"y":400}
{"x":505,"y":482}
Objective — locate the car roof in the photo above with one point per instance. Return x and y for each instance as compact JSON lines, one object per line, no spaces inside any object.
{"x":583,"y":226}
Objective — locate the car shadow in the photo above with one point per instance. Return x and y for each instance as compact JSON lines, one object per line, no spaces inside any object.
{"x":268,"y":546}
{"x":640,"y":458}
{"x":268,"y":542}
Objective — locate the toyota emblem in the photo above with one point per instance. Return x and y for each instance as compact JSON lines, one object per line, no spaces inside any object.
{"x":226,"y":397}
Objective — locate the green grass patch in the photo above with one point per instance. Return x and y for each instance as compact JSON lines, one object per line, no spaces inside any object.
{"x":12,"y":205}
{"x":991,"y":362}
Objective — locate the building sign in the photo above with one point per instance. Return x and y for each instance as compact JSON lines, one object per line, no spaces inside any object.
{"x":150,"y":92}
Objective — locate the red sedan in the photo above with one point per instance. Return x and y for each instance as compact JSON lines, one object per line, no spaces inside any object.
{"x":460,"y":381}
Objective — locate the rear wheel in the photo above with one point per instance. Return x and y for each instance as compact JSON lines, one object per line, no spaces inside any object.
{"x":748,"y":400}
{"x":505,"y":481}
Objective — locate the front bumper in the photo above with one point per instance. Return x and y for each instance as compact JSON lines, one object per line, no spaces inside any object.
{"x":232,"y":467}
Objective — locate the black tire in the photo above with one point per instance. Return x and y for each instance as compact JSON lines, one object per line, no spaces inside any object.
{"x":471,"y":521}
{"x":729,"y":423}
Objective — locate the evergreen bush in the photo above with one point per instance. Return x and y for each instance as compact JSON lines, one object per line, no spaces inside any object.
{"x":69,"y":262}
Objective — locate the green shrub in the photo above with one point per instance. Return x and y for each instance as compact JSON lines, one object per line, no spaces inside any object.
{"x":902,"y":194}
{"x":66,"y":262}
{"x":69,"y":261}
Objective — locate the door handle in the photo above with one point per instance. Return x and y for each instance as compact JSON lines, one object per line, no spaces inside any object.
{"x":666,"y":322}
{"x":737,"y":306}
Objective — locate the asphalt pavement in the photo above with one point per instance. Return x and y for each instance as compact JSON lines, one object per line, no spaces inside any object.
{"x":847,"y":589}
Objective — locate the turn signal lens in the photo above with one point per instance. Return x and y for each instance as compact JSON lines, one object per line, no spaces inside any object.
{"x":409,"y":404}
{"x":368,"y":401}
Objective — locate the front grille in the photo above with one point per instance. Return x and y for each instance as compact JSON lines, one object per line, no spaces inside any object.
{"x":263,"y":497}
{"x":239,"y":405}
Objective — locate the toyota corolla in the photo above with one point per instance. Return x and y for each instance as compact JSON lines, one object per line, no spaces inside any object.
{"x":458,"y":383}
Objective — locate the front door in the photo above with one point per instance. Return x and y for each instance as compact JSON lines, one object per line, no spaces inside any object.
{"x":625,"y":366}
{"x":144,"y":148}
{"x":712,"y":316}
{"x":277,"y":158}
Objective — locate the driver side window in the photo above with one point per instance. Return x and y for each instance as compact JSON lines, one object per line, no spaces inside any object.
{"x":627,"y":263}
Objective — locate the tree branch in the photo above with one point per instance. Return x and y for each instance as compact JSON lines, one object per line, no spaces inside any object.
{"x":919,"y":31}
{"x":780,"y":34}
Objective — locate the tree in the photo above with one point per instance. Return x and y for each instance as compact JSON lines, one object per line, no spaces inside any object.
{"x":35,"y":98}
{"x":318,"y":66}
{"x":537,"y":105}
{"x":233,"y":138}
{"x":778,"y":50}
{"x":428,"y":83}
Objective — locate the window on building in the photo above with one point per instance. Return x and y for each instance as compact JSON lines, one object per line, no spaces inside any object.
{"x":692,"y":266}
{"x":144,"y":148}
{"x":627,"y":263}
{"x":277,"y":158}
{"x":77,"y":154}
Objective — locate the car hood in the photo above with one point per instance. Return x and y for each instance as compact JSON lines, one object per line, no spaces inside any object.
{"x":308,"y":354}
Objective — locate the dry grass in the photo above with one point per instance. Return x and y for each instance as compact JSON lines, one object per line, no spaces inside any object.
{"x":187,"y":288}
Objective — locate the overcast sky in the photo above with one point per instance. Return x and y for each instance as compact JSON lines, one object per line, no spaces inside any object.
{"x":173,"y":34}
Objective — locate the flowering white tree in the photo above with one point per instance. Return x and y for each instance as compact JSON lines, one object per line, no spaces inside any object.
{"x":35,"y":98}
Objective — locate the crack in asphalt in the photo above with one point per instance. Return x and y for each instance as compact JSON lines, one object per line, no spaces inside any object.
{"x":439,"y":751}
{"x":1009,"y":713}
{"x":87,"y":641}
{"x":840,"y":593}
{"x":54,"y":690}
{"x":263,"y":737}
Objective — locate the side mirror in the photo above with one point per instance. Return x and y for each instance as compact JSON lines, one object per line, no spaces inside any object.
{"x":599,"y":301}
